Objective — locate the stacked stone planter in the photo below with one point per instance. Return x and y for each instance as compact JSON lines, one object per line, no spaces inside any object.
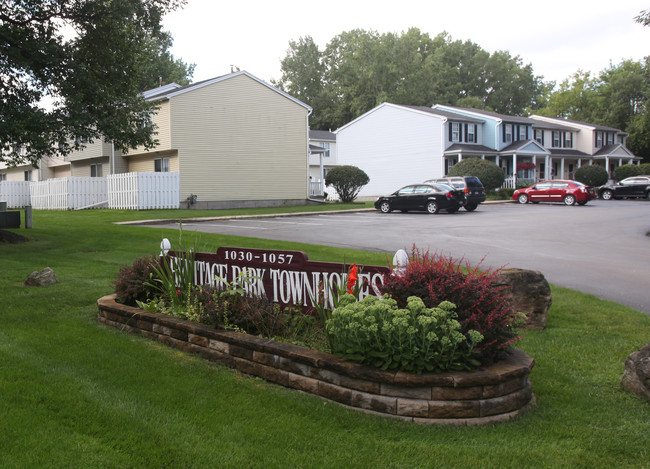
{"x":491,"y":394}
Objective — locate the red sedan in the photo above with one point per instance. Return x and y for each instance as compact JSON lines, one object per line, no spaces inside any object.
{"x":557,"y":190}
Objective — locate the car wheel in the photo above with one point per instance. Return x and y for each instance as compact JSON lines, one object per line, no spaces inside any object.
{"x":569,"y":199}
{"x":606,"y":195}
{"x":385,"y":207}
{"x":432,"y":207}
{"x":522,"y":199}
{"x":471,"y":207}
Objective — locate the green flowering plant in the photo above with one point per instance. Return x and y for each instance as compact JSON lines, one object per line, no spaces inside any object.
{"x":375,"y":332}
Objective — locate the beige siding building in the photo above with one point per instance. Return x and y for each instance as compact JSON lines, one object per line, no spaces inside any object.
{"x":235,"y":140}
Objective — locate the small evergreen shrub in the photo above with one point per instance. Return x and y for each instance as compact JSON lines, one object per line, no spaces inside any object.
{"x":480,"y":304}
{"x":490,"y":174}
{"x":504,"y":193}
{"x":626,"y":171}
{"x":376,"y":332}
{"x":347,"y":181}
{"x":592,"y":175}
{"x":134,"y":282}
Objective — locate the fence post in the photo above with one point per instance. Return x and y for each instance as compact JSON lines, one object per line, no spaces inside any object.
{"x":28,"y":217}
{"x":3,"y":206}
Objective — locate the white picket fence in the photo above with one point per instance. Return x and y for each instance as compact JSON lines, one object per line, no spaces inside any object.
{"x":143,"y":191}
{"x":129,"y":191}
{"x":69,"y":193}
{"x":15,"y":193}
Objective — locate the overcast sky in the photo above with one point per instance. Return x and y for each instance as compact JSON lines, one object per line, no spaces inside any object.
{"x":557,"y":37}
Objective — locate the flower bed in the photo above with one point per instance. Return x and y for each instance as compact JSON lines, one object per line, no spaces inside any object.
{"x":490,"y":394}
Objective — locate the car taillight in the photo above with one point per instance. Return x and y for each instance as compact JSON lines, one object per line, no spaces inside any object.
{"x":467,"y":190}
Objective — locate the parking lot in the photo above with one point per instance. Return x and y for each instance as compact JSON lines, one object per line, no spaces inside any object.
{"x":602,"y":248}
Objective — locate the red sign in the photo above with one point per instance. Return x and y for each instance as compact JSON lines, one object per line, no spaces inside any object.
{"x":285,"y":277}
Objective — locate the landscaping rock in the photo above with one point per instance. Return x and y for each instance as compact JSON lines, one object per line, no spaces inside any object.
{"x":636,"y":378}
{"x":529,"y":293}
{"x":41,"y":279}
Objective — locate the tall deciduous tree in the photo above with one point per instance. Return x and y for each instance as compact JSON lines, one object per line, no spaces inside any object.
{"x":88,"y":59}
{"x":360,"y":69}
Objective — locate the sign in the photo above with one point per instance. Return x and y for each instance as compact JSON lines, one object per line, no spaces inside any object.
{"x":285,"y":277}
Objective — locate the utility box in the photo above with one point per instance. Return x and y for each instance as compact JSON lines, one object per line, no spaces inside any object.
{"x":10,"y":219}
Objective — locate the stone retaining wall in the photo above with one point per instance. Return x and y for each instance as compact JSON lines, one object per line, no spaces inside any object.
{"x":491,"y":394}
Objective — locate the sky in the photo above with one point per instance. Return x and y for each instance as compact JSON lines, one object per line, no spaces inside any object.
{"x":556,"y":37}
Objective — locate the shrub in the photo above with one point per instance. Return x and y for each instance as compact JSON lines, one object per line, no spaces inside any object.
{"x":504,"y":193}
{"x":375,"y":332}
{"x":480,"y":304}
{"x":347,"y":181}
{"x":626,"y":171}
{"x":134,"y":282}
{"x":644,"y":168}
{"x":592,"y":175}
{"x":490,"y":174}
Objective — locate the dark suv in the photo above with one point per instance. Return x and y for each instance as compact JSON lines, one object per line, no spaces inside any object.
{"x":471,"y":185}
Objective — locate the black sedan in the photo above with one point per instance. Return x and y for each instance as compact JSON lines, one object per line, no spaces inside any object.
{"x":632,"y":187}
{"x":429,"y":197}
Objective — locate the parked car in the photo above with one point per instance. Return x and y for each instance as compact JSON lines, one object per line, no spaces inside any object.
{"x":471,"y":185}
{"x":429,"y":197}
{"x":557,"y":190}
{"x":632,"y":187}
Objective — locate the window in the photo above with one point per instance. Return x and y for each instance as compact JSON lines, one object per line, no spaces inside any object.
{"x":82,"y":140}
{"x":161,"y":165}
{"x":454,"y":132}
{"x":568,"y":139}
{"x":556,"y":139}
{"x":148,"y":122}
{"x":3,"y":176}
{"x":523,"y":132}
{"x":326,"y":146}
{"x":96,"y":170}
{"x":19,"y":149}
{"x":470,"y":133}
{"x":620,"y":139}
{"x":507,"y":133}
{"x":28,"y":175}
{"x":538,"y":134}
{"x":610,"y":138}
{"x":599,"y":139}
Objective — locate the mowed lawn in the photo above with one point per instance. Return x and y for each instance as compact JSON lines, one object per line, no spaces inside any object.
{"x":76,"y":393}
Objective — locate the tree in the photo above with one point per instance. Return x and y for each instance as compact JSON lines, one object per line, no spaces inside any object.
{"x":91,"y":80}
{"x":347,"y":181}
{"x":490,"y":174}
{"x":161,"y":66}
{"x":626,"y":171}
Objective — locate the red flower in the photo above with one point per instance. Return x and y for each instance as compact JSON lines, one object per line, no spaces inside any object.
{"x":352,"y":278}
{"x":178,"y":292}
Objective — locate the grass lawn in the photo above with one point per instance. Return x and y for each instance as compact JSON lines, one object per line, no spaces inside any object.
{"x":76,"y":393}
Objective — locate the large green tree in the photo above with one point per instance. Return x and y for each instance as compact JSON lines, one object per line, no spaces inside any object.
{"x":360,"y":69}
{"x":88,"y":60}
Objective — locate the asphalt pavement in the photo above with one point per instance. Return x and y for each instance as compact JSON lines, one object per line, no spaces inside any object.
{"x":602,"y":248}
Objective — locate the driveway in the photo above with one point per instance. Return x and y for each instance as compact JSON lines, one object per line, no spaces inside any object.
{"x":601,"y":248}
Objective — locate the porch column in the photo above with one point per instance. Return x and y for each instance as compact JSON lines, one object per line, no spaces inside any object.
{"x":535,"y":170}
{"x":460,"y":157}
{"x":607,"y":165}
{"x":498,"y":161}
{"x":514,"y":169}
{"x":579,"y":162}
{"x":547,"y":167}
{"x":482,"y":157}
{"x":562,"y":168}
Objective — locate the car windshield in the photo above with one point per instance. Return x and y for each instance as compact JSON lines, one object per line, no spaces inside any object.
{"x":579,"y":184}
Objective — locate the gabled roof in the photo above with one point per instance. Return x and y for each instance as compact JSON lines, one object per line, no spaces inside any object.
{"x":169,"y":91}
{"x":322,"y":135}
{"x":488,"y":114}
{"x":316,"y":149}
{"x":448,"y":115}
{"x":540,"y":124}
{"x":525,"y":146}
{"x":615,"y":149}
{"x":418,"y":109}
